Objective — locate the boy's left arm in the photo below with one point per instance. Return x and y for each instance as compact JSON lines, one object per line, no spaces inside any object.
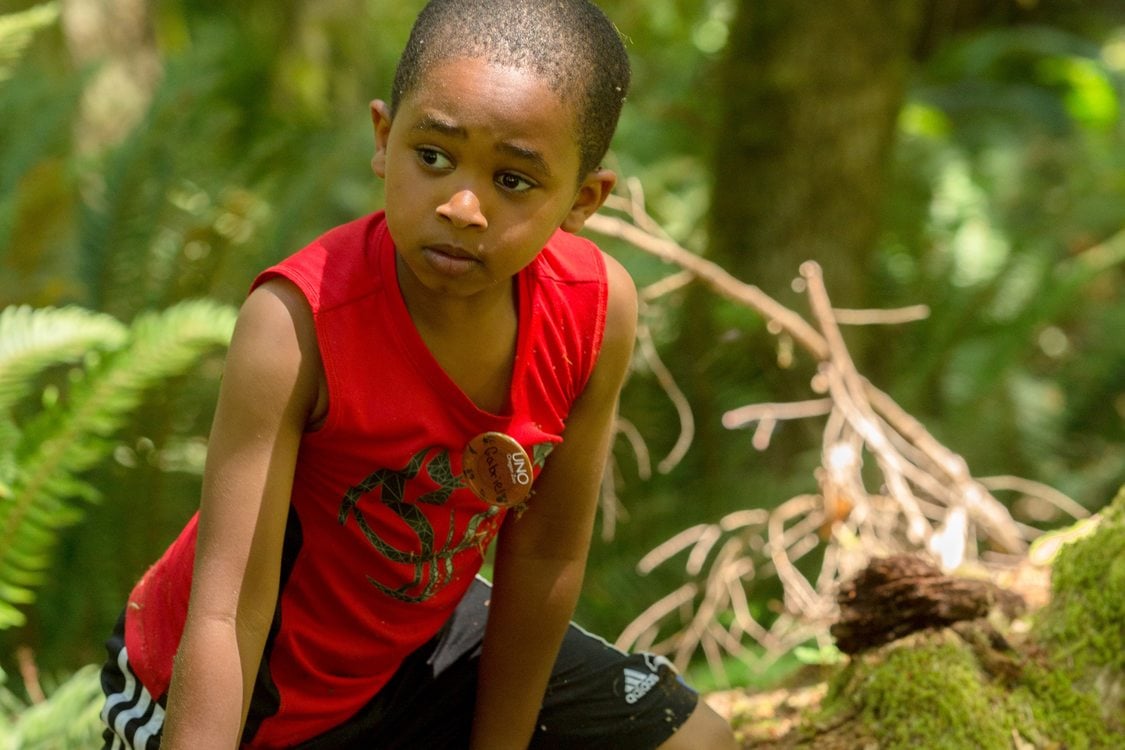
{"x":541,"y":556}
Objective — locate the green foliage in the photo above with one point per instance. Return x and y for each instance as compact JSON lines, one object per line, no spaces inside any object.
{"x":67,"y":719}
{"x":737,"y":672}
{"x":821,"y":655}
{"x":31,"y":341}
{"x":44,"y":454}
{"x":1006,"y":218}
{"x":223,"y":176}
{"x":17,"y":30}
{"x":1082,"y":625}
{"x":1008,"y":170}
{"x":34,"y":204}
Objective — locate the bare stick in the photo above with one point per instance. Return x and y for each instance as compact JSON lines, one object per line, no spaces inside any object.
{"x":744,"y":415}
{"x":666,"y":286}
{"x":911,"y":314}
{"x":683,"y":408}
{"x":651,"y":617}
{"x":715,"y":277}
{"x":609,"y":504}
{"x":637,"y":443}
{"x":1037,"y":490}
{"x":29,"y":673}
{"x":669,"y":548}
{"x":800,"y":595}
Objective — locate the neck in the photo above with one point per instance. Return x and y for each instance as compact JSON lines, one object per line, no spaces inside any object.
{"x":443,"y":314}
{"x":473,"y":339}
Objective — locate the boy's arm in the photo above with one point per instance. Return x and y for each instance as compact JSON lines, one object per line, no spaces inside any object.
{"x":541,"y":556}
{"x":269,"y":390}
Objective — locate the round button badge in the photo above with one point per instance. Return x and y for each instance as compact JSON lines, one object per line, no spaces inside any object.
{"x":497,"y":469}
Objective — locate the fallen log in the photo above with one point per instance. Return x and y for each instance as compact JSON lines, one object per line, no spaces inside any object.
{"x":895,"y":596}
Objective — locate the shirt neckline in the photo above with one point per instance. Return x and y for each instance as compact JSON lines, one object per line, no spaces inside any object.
{"x":415,"y":346}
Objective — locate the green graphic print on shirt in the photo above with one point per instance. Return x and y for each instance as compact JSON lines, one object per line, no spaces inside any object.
{"x":433,"y":565}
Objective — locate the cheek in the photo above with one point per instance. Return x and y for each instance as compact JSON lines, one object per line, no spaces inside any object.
{"x":399,"y":165}
{"x":400,"y":190}
{"x":522,"y":243}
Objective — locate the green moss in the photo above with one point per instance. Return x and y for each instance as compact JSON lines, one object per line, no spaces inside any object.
{"x":944,"y":689}
{"x":1059,"y":712}
{"x":931,"y":696}
{"x":925,"y":691}
{"x":930,"y":691}
{"x":1082,"y":626}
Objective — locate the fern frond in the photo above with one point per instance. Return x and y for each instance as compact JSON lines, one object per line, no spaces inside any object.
{"x":17,"y":30}
{"x":34,"y":339}
{"x":67,"y":719}
{"x":10,"y":617}
{"x":73,"y":434}
{"x":9,"y":437}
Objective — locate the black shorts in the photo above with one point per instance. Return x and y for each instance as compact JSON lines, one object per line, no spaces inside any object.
{"x":597,"y":697}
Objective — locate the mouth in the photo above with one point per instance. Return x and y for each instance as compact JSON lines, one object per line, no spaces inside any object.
{"x":455,"y":252}
{"x":450,"y":260}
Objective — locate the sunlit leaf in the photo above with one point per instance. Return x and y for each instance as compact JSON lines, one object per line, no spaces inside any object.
{"x":17,"y":31}
{"x":1090,"y":96}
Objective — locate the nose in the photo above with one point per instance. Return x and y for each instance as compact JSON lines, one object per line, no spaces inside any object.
{"x":463,"y":210}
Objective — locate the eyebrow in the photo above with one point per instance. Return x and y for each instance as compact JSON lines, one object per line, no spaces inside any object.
{"x":429,"y":123}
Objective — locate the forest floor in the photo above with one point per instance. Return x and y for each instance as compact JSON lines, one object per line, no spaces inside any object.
{"x":776,"y":719}
{"x":1000,"y":654}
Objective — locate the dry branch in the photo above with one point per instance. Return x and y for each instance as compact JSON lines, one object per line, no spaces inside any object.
{"x":927,"y":502}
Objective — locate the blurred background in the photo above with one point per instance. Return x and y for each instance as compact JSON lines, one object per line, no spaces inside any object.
{"x":968,"y":155}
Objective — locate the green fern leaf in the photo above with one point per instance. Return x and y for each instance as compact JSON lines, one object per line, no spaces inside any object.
{"x":15,"y":594}
{"x":10,"y":617}
{"x":32,"y":340}
{"x":17,"y":30}
{"x":73,"y":433}
{"x":67,"y":719}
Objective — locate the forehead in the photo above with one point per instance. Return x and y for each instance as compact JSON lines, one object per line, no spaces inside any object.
{"x":487,"y":97}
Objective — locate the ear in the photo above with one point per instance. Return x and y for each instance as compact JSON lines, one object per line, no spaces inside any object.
{"x":381,"y":120}
{"x":593,"y":191}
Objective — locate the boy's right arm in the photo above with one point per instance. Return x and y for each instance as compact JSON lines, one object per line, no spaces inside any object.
{"x":271,"y":390}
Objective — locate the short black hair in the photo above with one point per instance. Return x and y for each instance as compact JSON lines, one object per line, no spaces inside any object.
{"x":570,"y":44}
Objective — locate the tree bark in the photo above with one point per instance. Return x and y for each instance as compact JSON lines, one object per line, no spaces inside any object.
{"x":812,"y":94}
{"x":116,"y":36}
{"x":896,"y":596}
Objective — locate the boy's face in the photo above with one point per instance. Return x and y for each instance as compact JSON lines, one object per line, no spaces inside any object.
{"x":481,"y":165}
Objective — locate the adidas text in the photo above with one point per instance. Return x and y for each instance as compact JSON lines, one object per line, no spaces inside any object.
{"x":638,"y":684}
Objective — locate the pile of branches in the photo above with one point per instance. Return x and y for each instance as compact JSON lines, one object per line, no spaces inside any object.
{"x":925,"y":500}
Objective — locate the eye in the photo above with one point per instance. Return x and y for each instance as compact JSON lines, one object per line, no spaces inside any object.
{"x":513,"y":182}
{"x":433,"y":158}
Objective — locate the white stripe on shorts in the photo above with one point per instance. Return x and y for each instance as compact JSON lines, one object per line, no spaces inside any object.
{"x":135,"y":702}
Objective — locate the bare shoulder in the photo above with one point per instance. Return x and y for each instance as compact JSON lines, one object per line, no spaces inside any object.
{"x":621,"y":318}
{"x":274,"y":352}
{"x":277,"y":310}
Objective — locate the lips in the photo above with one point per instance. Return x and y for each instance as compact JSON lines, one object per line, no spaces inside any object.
{"x":453,"y":251}
{"x":450,"y":260}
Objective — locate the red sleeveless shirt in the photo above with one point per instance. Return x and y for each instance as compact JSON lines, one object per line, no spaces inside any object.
{"x":383,"y":537}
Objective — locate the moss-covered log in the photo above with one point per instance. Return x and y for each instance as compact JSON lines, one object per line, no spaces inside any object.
{"x":1055,"y":681}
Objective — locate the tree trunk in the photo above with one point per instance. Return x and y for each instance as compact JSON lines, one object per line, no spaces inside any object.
{"x":812,"y":91}
{"x":118,"y":37}
{"x":810,"y":94}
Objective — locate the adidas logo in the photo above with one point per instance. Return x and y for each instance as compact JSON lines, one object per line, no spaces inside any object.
{"x":638,"y":684}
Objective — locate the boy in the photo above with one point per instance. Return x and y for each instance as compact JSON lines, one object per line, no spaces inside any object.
{"x":391,"y":396}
